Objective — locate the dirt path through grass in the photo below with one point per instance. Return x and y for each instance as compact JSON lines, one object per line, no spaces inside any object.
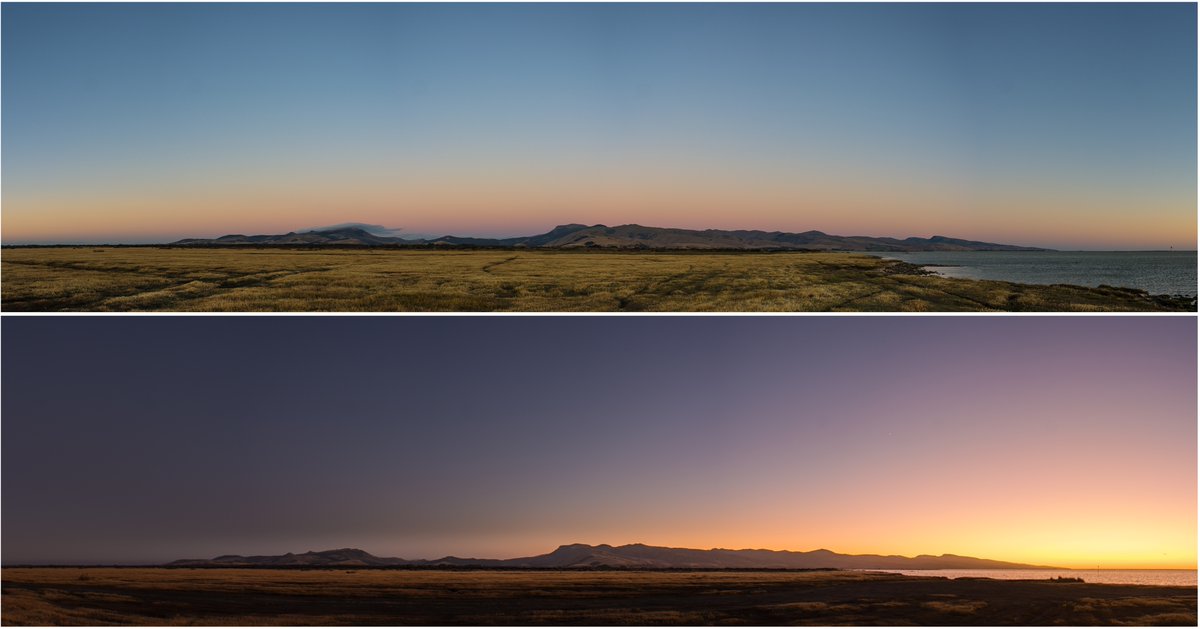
{"x":385,"y":280}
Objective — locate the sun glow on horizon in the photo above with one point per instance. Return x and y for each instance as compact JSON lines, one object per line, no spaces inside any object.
{"x":1058,"y":441}
{"x":505,"y":120}
{"x":1055,"y":551}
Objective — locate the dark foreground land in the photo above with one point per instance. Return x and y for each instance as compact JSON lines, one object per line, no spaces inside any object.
{"x":383,"y":279}
{"x":158,"y":596}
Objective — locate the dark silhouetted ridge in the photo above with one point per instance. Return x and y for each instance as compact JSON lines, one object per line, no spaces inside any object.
{"x":635,"y":556}
{"x":632,"y":236}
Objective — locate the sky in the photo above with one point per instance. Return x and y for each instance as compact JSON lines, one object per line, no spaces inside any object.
{"x":1061,"y":441}
{"x":1065,"y":126}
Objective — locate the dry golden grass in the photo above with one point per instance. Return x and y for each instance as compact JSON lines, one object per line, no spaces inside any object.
{"x":956,"y":607}
{"x":264,"y":279}
{"x":155,"y":596}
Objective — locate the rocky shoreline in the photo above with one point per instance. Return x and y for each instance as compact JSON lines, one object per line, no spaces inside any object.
{"x":1178,"y":302}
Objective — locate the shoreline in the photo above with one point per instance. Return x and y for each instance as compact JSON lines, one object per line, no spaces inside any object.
{"x":1073,"y":574}
{"x":244,"y":278}
{"x":934,"y":266}
{"x":356,"y":596}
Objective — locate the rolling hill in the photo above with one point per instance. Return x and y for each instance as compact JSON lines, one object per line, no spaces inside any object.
{"x":639,"y":556}
{"x":623,"y":237}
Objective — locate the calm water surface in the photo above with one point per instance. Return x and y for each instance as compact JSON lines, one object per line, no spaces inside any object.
{"x":1137,"y":577}
{"x":1157,"y":272}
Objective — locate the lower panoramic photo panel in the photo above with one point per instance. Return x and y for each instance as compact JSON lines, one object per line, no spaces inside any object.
{"x":599,"y":470}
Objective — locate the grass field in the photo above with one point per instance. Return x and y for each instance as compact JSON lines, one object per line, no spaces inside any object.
{"x":156,"y":596}
{"x":273,"y":279}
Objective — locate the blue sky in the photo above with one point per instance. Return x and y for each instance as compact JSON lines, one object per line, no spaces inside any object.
{"x":1070,"y":125}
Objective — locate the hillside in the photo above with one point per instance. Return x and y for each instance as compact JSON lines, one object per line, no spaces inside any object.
{"x":624,"y":237}
{"x":628,"y":556}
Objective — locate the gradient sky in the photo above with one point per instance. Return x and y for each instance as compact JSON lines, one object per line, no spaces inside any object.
{"x":1068,"y":126}
{"x":1061,"y":441}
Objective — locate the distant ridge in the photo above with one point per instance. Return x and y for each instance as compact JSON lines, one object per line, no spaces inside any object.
{"x":627,"y":556}
{"x":623,"y":237}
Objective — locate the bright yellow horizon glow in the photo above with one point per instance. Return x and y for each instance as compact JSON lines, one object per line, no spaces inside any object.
{"x":1062,"y":552}
{"x":1051,"y":557}
{"x":1068,"y":535}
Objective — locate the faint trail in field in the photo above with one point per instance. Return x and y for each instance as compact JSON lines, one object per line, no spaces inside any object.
{"x":233,"y":282}
{"x":223,"y":284}
{"x":847,"y":302}
{"x":658,"y":286}
{"x":894,"y":278}
{"x":79,"y":267}
{"x":40,"y":304}
{"x":690,"y":279}
{"x":982,"y":304}
{"x":487,"y":268}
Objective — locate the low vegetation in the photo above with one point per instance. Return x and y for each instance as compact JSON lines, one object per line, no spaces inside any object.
{"x":388,"y":279}
{"x":161,"y":596}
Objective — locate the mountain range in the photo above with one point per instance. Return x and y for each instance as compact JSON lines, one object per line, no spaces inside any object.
{"x":638,"y":556}
{"x":621,"y":237}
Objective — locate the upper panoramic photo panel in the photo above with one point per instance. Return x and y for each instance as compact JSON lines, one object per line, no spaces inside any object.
{"x":599,"y":157}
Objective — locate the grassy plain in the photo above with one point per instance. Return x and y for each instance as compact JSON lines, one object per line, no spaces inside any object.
{"x":158,"y":596}
{"x":383,"y":279}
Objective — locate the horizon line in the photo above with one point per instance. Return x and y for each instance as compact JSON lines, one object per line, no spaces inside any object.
{"x":1099,"y":566}
{"x":133,"y":241}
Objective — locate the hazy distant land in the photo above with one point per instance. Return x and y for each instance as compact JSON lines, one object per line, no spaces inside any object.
{"x":437,"y":278}
{"x":575,"y":235}
{"x":632,"y":584}
{"x":360,"y":596}
{"x":638,"y":556}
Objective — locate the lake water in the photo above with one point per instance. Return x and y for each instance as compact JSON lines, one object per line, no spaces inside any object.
{"x":1137,"y":577}
{"x":1157,"y":272}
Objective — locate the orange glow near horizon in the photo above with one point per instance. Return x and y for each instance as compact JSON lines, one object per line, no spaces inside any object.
{"x":1035,"y":540}
{"x":1072,"y":515}
{"x":1060,"y":550}
{"x":477,"y":196}
{"x":504,"y":205}
{"x":1056,"y":441}
{"x":1004,"y":123}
